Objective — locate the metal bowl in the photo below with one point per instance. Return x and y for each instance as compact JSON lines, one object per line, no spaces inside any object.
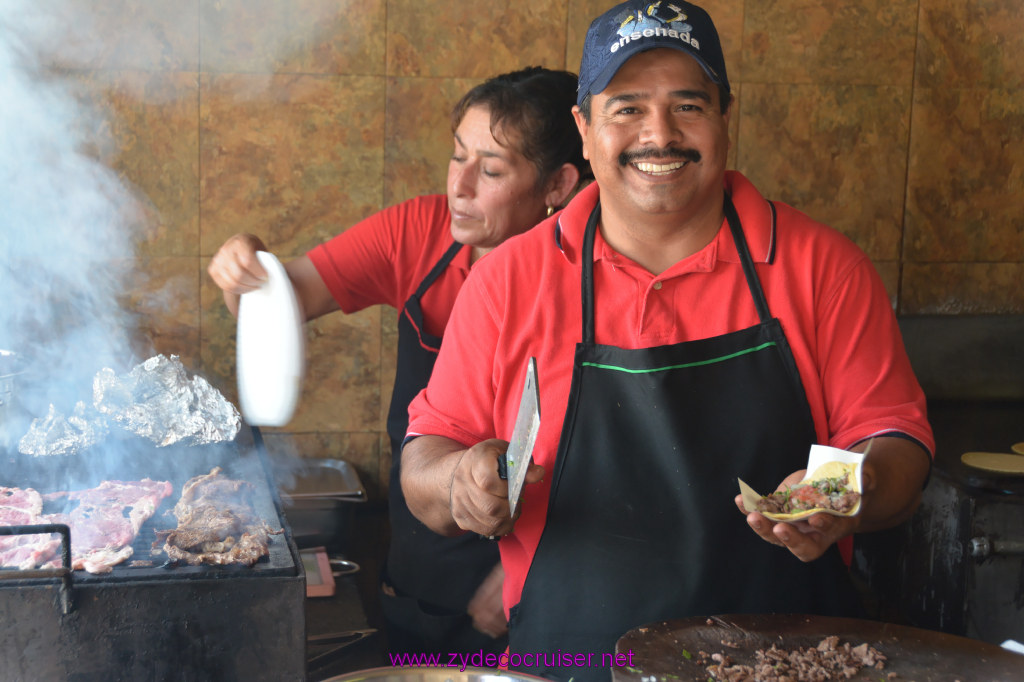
{"x":411,"y":674}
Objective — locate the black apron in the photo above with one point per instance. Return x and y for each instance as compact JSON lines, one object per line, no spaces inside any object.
{"x":434,"y":576}
{"x":641,"y":524}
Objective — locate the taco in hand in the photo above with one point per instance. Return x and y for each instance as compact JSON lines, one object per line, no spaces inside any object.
{"x":833,"y":488}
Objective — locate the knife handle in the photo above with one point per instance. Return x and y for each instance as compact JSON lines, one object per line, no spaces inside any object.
{"x":503,"y":468}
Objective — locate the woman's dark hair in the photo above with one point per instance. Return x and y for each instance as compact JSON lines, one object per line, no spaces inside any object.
{"x":532,"y":107}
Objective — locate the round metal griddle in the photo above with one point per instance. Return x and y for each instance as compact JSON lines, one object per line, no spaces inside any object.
{"x":670,"y":650}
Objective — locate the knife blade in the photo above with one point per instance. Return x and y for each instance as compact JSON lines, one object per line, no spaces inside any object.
{"x":514,"y":464}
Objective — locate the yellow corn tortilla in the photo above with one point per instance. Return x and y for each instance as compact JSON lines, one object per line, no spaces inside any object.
{"x":832,"y":469}
{"x":835,"y":470}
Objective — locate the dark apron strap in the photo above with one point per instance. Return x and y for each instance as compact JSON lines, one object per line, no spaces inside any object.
{"x":438,"y":268}
{"x":422,"y":565}
{"x":753,"y":282}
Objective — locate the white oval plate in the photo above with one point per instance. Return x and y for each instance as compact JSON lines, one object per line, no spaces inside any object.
{"x":271,"y":350}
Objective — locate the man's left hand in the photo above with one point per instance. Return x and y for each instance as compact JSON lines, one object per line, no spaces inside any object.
{"x":808,"y":538}
{"x":893,"y":474}
{"x":485,"y":607}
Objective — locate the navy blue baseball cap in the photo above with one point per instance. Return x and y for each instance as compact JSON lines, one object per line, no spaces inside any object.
{"x":638,"y":25}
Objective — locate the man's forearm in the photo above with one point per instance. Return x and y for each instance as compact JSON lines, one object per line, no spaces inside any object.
{"x":428,"y":463}
{"x":898,"y":468}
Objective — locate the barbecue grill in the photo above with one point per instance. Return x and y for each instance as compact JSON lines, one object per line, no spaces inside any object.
{"x":957,"y":565}
{"x":147,"y":618}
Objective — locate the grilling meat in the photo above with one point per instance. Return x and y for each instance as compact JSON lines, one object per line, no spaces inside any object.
{"x":104,"y":522}
{"x":107,"y":520}
{"x":19,"y":506}
{"x":217,"y":523}
{"x":23,"y":507}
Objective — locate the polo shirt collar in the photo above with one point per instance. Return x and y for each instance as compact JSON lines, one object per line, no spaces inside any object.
{"x":757,"y":216}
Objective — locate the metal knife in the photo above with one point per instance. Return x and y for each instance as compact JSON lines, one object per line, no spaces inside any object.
{"x":514,"y":464}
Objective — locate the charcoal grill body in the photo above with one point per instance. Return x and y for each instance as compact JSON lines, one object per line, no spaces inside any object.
{"x":163,"y":621}
{"x":957,"y":565}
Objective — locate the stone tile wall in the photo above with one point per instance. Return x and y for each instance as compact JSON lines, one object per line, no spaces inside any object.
{"x":899,"y":122}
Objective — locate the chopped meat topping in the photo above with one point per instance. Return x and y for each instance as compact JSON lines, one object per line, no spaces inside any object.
{"x":836,"y":494}
{"x":830,"y":660}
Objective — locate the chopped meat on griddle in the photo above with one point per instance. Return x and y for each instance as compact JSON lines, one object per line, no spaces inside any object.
{"x":217,"y":523}
{"x":830,"y":660}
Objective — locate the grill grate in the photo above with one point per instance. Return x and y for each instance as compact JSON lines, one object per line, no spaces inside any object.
{"x":243,"y":459}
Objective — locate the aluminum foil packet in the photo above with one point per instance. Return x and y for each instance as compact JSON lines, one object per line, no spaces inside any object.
{"x":56,"y":434}
{"x":158,"y":401}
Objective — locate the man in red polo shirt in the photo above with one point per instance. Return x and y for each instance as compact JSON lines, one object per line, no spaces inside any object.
{"x":687,"y":332}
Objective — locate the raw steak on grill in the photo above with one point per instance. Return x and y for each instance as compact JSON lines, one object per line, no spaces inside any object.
{"x":23,"y":507}
{"x":107,"y":519}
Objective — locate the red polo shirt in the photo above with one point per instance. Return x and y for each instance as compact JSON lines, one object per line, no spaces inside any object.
{"x":383,"y":259}
{"x":524,"y":300}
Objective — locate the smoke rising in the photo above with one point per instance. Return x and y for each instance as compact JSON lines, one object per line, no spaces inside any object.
{"x":66,"y":220}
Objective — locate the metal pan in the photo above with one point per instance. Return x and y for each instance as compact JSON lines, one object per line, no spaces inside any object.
{"x":670,"y":649}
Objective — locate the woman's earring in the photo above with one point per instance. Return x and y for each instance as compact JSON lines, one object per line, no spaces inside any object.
{"x":551,"y":209}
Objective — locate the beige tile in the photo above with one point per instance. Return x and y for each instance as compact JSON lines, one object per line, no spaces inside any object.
{"x":479,"y":40}
{"x":966,"y":176}
{"x":293,"y":159}
{"x":298,"y":36}
{"x":728,"y":17}
{"x":969,"y":46}
{"x":162,"y":293}
{"x":870,"y":42}
{"x":148,"y":135}
{"x":963,"y":288}
{"x":819,"y":148}
{"x":217,"y":336}
{"x":341,"y":390}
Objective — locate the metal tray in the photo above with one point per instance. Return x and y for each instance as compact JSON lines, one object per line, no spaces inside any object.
{"x":314,"y":478}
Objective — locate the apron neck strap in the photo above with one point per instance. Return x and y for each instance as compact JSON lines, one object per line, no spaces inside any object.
{"x":438,"y":269}
{"x":587,"y":279}
{"x":753,"y":283}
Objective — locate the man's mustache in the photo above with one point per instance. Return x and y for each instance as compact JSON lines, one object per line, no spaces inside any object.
{"x":669,"y":153}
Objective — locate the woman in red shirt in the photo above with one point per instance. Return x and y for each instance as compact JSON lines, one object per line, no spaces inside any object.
{"x":517,"y":157}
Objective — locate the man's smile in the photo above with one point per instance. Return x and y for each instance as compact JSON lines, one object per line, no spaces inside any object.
{"x":658,"y":168}
{"x":659,"y":162}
